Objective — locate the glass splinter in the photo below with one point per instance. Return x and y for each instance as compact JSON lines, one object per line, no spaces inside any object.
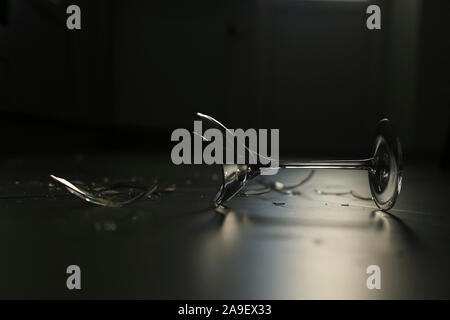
{"x":343,"y":193}
{"x":384,"y":168}
{"x":100,"y":198}
{"x":287,"y":189}
{"x":257,"y":192}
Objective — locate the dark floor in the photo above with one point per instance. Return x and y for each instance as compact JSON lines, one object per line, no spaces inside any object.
{"x":273,"y":246}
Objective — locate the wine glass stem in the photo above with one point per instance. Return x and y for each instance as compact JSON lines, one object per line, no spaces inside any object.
{"x":362,"y":164}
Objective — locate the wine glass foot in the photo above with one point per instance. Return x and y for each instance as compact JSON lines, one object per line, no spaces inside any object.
{"x":385,"y":175}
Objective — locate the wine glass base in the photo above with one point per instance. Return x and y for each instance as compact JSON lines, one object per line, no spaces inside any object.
{"x":385,"y":176}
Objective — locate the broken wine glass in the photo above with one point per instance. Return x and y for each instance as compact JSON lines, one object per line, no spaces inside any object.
{"x":384,"y":168}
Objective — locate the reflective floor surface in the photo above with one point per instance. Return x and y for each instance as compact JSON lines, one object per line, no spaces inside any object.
{"x":309,"y":244}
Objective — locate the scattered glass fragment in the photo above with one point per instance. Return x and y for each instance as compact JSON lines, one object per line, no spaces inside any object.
{"x":171,"y":188}
{"x":257,"y":191}
{"x":342,"y":193}
{"x":286,"y":189}
{"x":106,"y":196}
{"x":332,"y":193}
{"x":108,"y":226}
{"x":361,"y":197}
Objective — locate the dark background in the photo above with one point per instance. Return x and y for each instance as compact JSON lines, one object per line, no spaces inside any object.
{"x":139,"y":69}
{"x":97,"y":106}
